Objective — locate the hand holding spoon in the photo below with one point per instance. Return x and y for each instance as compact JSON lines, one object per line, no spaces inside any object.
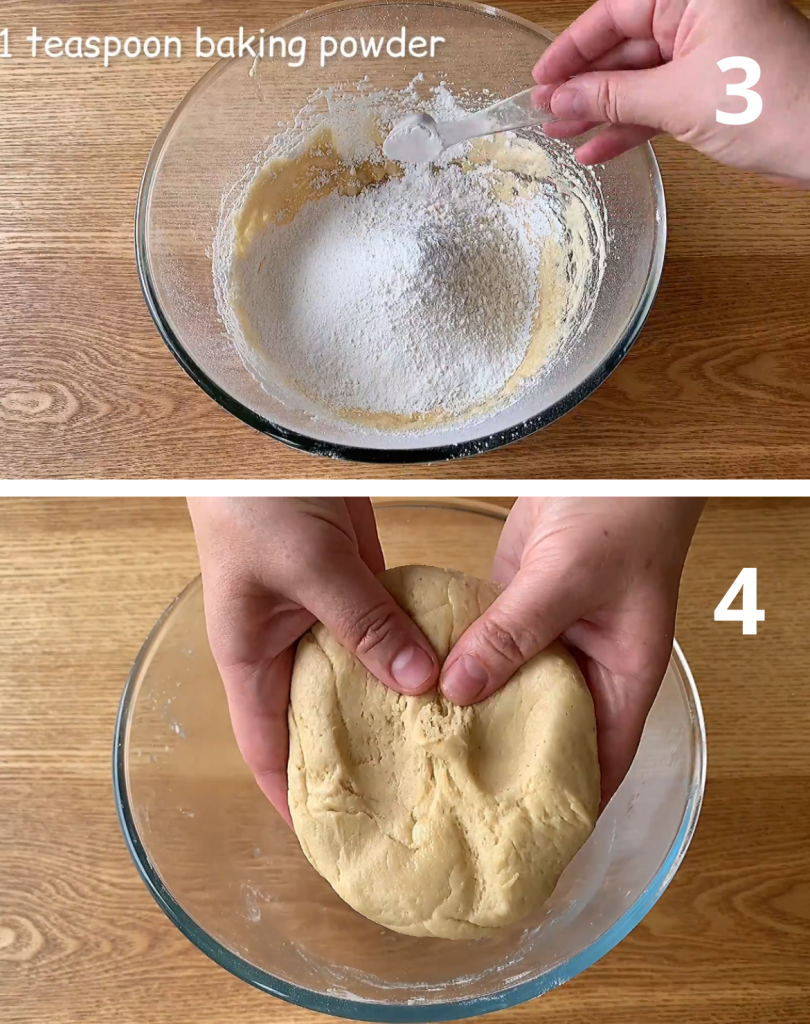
{"x":419,"y":139}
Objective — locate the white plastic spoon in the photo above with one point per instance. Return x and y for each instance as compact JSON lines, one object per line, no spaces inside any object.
{"x":418,"y":138}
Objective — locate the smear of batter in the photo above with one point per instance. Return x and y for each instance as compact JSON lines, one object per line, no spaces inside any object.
{"x":406,"y":298}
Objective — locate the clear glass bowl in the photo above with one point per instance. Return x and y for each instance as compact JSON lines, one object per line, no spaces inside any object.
{"x":232,"y":877}
{"x":229,"y":117}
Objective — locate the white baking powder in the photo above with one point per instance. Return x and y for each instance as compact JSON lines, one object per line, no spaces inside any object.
{"x":414,"y":140}
{"x":415,"y":296}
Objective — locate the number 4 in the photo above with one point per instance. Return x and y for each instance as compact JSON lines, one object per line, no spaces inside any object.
{"x":749,"y":615}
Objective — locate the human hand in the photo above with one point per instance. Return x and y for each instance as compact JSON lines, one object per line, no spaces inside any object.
{"x":601,"y":573}
{"x":647,"y":66}
{"x":271,"y":567}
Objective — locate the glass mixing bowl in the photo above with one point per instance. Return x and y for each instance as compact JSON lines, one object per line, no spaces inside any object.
{"x":231,"y":875}
{"x":230,"y":116}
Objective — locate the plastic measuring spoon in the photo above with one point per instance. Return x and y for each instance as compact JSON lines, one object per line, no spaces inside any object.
{"x":418,"y":138}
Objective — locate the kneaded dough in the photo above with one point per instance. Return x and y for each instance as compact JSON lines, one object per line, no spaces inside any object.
{"x":425,"y":817}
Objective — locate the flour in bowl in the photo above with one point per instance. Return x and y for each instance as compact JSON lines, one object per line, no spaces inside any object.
{"x":402,"y":298}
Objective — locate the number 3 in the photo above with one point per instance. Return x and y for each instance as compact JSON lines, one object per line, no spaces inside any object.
{"x":753,"y":100}
{"x":749,"y":615}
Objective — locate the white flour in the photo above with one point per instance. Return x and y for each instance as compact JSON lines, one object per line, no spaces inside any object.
{"x":415,"y":300}
{"x":415,"y":294}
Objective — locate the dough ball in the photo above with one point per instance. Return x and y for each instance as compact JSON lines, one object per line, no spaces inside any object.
{"x":428,"y":818}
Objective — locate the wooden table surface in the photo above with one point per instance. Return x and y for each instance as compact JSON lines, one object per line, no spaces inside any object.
{"x":81,"y":940}
{"x":717,"y":386}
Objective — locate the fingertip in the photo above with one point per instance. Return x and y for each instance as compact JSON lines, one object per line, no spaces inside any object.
{"x":465,"y":681}
{"x":612,"y":776}
{"x":569,"y":102}
{"x":543,"y":71}
{"x":414,"y":670}
{"x":617,"y":743}
{"x":778,"y":179}
{"x":274,"y":786}
{"x":564,"y":130}
{"x":583,"y":157}
{"x":595,"y":151}
{"x":612,"y":142}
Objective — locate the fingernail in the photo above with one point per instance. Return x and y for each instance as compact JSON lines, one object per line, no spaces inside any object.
{"x":411,"y":669}
{"x":568,"y":101}
{"x":542,"y":95}
{"x":465,"y":680}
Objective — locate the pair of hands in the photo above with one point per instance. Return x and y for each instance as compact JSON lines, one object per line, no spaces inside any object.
{"x":649,"y":66}
{"x":601,"y":573}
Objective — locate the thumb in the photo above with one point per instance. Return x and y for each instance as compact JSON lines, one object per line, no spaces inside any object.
{"x":620,"y":97}
{"x":357,"y":609}
{"x":535,"y":609}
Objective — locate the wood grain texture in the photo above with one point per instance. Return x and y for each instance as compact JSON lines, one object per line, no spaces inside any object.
{"x":717,"y":386}
{"x":82,"y":582}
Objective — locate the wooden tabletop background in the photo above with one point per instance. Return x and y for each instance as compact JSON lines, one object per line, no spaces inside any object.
{"x":718,"y":385}
{"x":81,"y":940}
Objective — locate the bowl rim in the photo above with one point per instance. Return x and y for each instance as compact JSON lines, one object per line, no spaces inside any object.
{"x":421,"y":1013}
{"x":395,"y":455}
